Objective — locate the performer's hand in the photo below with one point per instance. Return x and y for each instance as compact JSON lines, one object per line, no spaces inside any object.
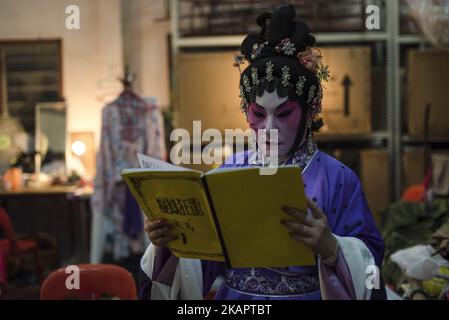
{"x":158,"y":232}
{"x":311,"y":229}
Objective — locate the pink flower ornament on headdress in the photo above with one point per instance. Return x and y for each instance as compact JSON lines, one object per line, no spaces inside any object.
{"x":310,"y":58}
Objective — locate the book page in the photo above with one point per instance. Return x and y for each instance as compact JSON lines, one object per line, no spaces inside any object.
{"x":179,"y":198}
{"x":147,"y":162}
{"x":248,"y":209}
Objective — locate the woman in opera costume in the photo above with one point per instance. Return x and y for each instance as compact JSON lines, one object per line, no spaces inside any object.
{"x":281,"y":88}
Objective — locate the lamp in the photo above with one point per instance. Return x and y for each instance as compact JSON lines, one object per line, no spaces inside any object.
{"x":82,"y":148}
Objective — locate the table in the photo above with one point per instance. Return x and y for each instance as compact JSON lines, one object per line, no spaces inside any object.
{"x":62,"y":212}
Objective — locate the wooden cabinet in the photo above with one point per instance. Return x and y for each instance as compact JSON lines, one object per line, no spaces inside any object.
{"x":60,"y":214}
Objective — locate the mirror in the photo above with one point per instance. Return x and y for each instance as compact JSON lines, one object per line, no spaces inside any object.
{"x":51,"y":138}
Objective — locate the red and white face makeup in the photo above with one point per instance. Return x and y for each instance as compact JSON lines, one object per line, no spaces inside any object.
{"x":273,"y":112}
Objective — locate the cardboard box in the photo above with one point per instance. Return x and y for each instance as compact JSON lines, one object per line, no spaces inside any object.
{"x":375,"y":177}
{"x":347,"y":95}
{"x":208,"y":87}
{"x":208,"y":91}
{"x":427,"y":83}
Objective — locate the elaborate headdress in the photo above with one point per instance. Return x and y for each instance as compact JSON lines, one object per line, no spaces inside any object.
{"x":282,"y":57}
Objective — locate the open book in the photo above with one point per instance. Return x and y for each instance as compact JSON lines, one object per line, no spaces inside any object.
{"x":227,"y":214}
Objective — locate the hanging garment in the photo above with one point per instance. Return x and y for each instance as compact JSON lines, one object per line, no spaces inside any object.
{"x":129,"y":126}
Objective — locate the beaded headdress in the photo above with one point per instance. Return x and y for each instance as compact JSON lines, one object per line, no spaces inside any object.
{"x":282,"y":57}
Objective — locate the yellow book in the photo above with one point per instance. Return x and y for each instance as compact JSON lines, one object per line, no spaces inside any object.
{"x":229,"y":214}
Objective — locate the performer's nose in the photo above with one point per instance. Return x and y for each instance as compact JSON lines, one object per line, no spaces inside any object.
{"x":269,"y":124}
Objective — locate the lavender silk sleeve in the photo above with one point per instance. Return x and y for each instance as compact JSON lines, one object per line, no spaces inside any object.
{"x":164,"y":268}
{"x":337,"y":280}
{"x":144,"y":287}
{"x":338,"y":192}
{"x":211,"y":269}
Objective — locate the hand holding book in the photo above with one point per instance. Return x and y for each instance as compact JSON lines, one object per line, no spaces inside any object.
{"x":311,"y":229}
{"x":159,"y":232}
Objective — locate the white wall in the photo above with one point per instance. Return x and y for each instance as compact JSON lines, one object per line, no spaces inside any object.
{"x":92,"y":56}
{"x":146,"y":47}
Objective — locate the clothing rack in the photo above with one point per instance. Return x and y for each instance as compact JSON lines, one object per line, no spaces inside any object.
{"x":128,"y":79}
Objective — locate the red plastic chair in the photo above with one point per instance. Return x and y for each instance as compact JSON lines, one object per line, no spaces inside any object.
{"x":3,"y":275}
{"x":96,"y":282}
{"x":11,"y":247}
{"x":417,"y":192}
{"x":414,"y":193}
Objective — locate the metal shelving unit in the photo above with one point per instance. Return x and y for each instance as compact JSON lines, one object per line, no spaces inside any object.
{"x":406,"y":139}
{"x":375,"y":137}
{"x":235,"y":41}
{"x":393,"y":97}
{"x":393,"y":137}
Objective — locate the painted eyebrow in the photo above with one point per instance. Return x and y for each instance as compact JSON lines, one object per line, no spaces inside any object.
{"x":288,"y":108}
{"x":281,"y":105}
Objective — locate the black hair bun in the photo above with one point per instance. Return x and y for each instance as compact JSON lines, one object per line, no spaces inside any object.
{"x":248,"y":43}
{"x":274,"y":27}
{"x":262,"y":21}
{"x":281,"y":25}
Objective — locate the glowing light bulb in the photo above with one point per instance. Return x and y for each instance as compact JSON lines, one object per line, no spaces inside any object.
{"x":79,"y":148}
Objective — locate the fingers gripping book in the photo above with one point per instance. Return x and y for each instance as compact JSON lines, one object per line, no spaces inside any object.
{"x":227,"y":214}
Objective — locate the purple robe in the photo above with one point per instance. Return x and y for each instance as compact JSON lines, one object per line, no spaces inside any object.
{"x":337,"y":191}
